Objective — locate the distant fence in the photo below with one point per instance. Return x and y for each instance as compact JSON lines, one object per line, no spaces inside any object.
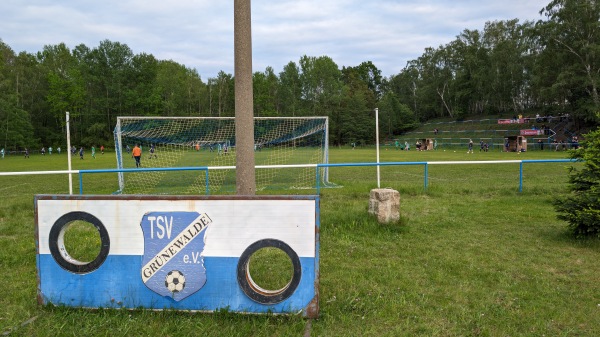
{"x":317,"y":167}
{"x":426,"y":166}
{"x":494,"y":143}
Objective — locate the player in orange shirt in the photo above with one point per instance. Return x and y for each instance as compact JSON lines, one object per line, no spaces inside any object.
{"x":137,"y":154}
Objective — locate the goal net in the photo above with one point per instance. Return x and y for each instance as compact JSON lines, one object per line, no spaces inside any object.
{"x":290,"y":147}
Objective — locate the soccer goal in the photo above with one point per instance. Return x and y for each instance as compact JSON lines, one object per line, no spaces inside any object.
{"x":286,"y":145}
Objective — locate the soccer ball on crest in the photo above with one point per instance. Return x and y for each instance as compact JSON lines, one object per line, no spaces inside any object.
{"x":175,"y":281}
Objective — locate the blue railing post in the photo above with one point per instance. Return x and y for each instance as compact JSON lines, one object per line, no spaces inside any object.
{"x":521,"y":177}
{"x":318,"y":180}
{"x":426,"y":175}
{"x":80,"y":181}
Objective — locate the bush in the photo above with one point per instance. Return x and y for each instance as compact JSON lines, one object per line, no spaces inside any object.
{"x":581,"y":207}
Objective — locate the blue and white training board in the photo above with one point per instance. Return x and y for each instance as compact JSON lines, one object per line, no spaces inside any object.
{"x":178,"y":252}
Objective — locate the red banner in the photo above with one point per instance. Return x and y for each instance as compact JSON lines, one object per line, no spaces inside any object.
{"x":512,"y":121}
{"x":530,"y":132}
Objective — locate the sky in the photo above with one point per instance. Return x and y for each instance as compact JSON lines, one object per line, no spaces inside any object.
{"x":199,"y":33}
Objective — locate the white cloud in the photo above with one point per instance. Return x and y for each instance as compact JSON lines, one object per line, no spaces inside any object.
{"x":199,"y":33}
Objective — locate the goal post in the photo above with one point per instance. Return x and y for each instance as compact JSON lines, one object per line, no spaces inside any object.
{"x":290,"y":142}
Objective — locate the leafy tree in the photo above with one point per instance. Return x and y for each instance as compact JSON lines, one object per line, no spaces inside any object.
{"x":472,"y":59}
{"x":394,"y":116}
{"x":321,"y":84}
{"x":506,"y":77}
{"x":265,"y":93}
{"x":143,"y":96}
{"x":16,"y":130}
{"x":404,"y":87}
{"x":169,"y":84}
{"x":64,"y":90}
{"x":222,"y":97}
{"x":572,"y":38}
{"x":581,"y":208}
{"x":369,"y":74}
{"x":109,"y":64}
{"x":290,"y":90}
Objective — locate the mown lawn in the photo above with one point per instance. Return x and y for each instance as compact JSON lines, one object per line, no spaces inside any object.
{"x":471,"y":256}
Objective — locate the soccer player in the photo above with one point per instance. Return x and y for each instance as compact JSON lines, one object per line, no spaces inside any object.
{"x":93,"y":152}
{"x":81,"y":152}
{"x":50,"y":150}
{"x":2,"y":152}
{"x":101,"y":149}
{"x":58,"y":150}
{"x":152,"y":149}
{"x":26,"y":153}
{"x":137,"y":154}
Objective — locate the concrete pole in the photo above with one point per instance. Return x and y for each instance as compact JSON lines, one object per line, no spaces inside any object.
{"x":244,"y":101}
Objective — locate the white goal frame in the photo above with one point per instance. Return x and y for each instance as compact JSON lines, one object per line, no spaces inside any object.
{"x":119,"y":146}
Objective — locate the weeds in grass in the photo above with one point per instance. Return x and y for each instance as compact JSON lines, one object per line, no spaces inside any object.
{"x":470,"y":256}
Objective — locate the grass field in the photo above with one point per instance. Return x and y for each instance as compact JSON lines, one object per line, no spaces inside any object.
{"x":471,"y":256}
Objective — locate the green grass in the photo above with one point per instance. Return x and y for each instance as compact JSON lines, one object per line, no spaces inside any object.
{"x":82,"y":241}
{"x":470,"y":256}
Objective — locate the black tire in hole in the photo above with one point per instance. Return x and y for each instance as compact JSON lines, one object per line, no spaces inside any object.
{"x":270,"y":250}
{"x":79,"y":242}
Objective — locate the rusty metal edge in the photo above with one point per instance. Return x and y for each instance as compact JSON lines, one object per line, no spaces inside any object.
{"x":39,"y":296}
{"x":312,"y":309}
{"x":171,"y":197}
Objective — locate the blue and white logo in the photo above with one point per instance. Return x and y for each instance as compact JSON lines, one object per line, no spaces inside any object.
{"x":173,"y":261}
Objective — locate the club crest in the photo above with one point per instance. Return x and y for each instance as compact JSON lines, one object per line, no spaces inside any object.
{"x":173,"y":262}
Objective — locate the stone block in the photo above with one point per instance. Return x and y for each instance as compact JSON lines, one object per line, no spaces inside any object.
{"x":385,"y":204}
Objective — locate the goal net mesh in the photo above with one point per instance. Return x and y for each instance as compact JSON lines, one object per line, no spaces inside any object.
{"x":187,"y":142}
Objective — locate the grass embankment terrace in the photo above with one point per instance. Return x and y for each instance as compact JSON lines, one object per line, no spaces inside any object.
{"x":470,"y":256}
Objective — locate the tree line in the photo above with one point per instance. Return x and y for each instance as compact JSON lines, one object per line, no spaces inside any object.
{"x":549,"y":67}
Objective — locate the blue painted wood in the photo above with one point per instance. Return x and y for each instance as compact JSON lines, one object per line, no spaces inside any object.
{"x":117,"y":284}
